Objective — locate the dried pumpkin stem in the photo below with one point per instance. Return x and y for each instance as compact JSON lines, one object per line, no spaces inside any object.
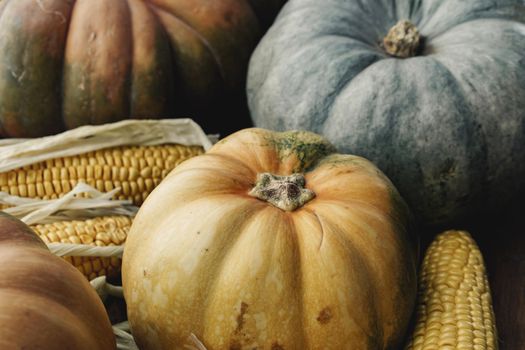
{"x":285,"y":192}
{"x":403,"y":40}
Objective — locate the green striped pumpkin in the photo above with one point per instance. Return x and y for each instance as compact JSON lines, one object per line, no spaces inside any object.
{"x":66,"y":63}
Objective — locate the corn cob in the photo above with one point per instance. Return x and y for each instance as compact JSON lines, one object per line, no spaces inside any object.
{"x":136,"y":169}
{"x":454,"y":307}
{"x":100,"y":231}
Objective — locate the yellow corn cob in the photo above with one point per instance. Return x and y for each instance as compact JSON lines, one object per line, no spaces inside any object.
{"x":100,"y":231}
{"x":136,"y":169}
{"x":454,"y":307}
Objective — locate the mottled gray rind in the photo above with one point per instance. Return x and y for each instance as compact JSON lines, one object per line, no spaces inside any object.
{"x":447,"y":127}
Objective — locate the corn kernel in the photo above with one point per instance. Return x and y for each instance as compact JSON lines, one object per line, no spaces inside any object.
{"x":454,"y":308}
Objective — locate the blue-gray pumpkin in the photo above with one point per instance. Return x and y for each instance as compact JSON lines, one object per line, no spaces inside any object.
{"x":432,"y":91}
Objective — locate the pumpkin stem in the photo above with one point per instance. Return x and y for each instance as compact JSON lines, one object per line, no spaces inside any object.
{"x":402,"y":40}
{"x":284,"y":192}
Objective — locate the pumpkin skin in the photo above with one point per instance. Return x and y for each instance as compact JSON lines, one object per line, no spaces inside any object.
{"x":204,"y":257}
{"x":63,"y":64}
{"x":446,"y":126}
{"x":45,"y":302}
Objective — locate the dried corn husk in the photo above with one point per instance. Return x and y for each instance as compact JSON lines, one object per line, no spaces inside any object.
{"x":59,"y":218}
{"x":133,"y":155}
{"x":16,"y":153}
{"x":88,"y":231}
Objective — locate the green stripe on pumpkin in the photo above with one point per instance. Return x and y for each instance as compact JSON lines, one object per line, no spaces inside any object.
{"x":91,"y":100}
{"x":30,"y":69}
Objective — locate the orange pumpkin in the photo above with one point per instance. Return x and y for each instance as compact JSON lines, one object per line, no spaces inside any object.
{"x":45,"y":303}
{"x":271,"y":241}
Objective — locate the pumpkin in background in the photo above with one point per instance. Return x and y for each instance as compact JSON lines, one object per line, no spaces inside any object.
{"x":68,"y":63}
{"x":271,"y":241}
{"x":431,"y":91}
{"x":45,"y":302}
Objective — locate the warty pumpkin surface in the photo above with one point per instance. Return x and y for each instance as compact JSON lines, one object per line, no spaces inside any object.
{"x":437,"y":102}
{"x":271,"y":241}
{"x":45,"y":303}
{"x":68,"y":63}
